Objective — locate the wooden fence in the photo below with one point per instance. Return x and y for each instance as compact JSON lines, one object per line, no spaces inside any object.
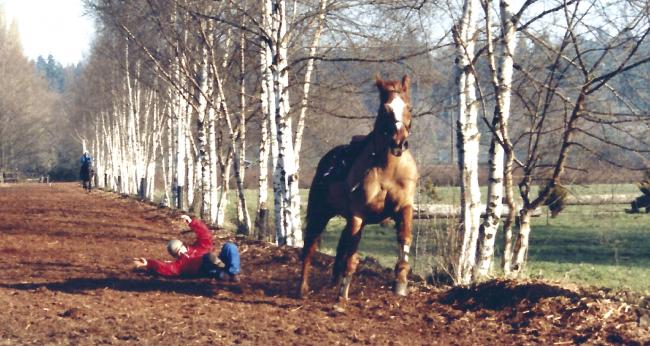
{"x":432,"y":211}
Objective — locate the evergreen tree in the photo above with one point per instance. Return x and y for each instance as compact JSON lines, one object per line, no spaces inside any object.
{"x":53,"y":72}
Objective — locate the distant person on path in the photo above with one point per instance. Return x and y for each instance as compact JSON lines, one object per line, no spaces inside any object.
{"x":197,"y":259}
{"x":86,"y":167}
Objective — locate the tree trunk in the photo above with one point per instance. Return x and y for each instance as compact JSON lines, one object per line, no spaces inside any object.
{"x":223,"y":195}
{"x":262,"y":215}
{"x":468,"y":143}
{"x":288,"y":227}
{"x":506,"y":261}
{"x":212,"y":151}
{"x":204,"y":158}
{"x":243,"y":215}
{"x":181,"y":142}
{"x":267,"y":109}
{"x":502,"y":81}
{"x":521,"y":246}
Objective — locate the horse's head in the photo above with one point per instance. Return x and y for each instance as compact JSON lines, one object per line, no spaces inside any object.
{"x":394,"y":117}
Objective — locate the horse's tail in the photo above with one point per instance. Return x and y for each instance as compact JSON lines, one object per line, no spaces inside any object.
{"x":316,"y":214}
{"x":316,"y":202}
{"x":318,"y":210}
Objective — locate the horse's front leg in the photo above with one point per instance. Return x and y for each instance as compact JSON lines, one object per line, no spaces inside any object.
{"x":404,"y":238}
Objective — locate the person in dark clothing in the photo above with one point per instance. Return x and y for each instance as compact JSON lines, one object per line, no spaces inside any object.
{"x":85,"y":173}
{"x":197,"y":259}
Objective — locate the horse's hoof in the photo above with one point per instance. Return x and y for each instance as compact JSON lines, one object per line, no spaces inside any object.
{"x":303,"y":293}
{"x":339,"y":307}
{"x":401,"y":289}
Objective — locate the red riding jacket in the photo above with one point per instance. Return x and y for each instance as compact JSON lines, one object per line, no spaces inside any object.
{"x":188,"y":263}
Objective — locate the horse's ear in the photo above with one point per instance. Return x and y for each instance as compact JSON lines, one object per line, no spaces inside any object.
{"x":378,"y":82}
{"x":406,"y":83}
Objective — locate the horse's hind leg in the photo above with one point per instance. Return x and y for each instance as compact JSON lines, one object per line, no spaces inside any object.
{"x":315,"y":226}
{"x":346,"y":254}
{"x":341,"y":256}
{"x":404,"y":238}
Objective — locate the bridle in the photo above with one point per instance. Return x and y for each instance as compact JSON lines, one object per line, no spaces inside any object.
{"x":389,"y":128}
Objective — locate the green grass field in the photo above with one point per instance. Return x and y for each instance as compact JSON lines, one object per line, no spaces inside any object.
{"x":595,"y":245}
{"x":588,"y":245}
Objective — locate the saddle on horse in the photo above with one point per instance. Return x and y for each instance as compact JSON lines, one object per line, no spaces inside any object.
{"x":342,"y":158}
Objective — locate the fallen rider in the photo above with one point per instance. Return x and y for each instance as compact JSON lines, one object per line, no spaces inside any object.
{"x":197,"y":259}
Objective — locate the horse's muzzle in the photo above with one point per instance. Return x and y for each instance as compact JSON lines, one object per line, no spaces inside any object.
{"x":398,"y":148}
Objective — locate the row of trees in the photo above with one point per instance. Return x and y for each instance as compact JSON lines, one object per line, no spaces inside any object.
{"x":183,"y":95}
{"x":175,"y":89}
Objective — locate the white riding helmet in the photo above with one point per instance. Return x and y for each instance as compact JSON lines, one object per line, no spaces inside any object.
{"x":174,"y":246}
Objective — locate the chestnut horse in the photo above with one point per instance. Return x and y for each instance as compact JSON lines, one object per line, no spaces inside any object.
{"x":367,"y":181}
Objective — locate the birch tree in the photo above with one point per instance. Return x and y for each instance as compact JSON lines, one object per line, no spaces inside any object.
{"x":501,"y":76}
{"x":267,"y":104}
{"x":205,"y":80}
{"x":285,"y":179}
{"x":465,"y":36}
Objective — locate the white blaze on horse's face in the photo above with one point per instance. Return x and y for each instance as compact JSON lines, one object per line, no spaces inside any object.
{"x":397,"y":105}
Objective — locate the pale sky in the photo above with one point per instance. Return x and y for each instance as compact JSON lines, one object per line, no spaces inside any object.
{"x":56,"y":27}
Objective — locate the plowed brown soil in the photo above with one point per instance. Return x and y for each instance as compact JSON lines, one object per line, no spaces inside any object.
{"x":66,"y":278}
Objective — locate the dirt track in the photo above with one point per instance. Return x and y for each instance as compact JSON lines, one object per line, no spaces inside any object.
{"x":65,"y":277}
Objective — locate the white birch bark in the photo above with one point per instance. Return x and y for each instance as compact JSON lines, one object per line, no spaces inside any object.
{"x":223,"y":193}
{"x":245,"y":224}
{"x":279,"y":189}
{"x":152,"y":139}
{"x":121,"y":144}
{"x":267,"y":126}
{"x":241,"y":130}
{"x":179,"y":114}
{"x":521,"y":246}
{"x":221,"y":164}
{"x":243,"y":215}
{"x":99,"y":154}
{"x":262,"y":215}
{"x":502,"y":75}
{"x":109,"y":137}
{"x":288,"y":227}
{"x":468,"y":143}
{"x":193,"y":169}
{"x":212,"y":151}
{"x":267,"y":109}
{"x":203,"y":157}
{"x":164,"y":166}
{"x":131,"y":105}
{"x":180,"y":152}
{"x":506,"y":260}
{"x":167,"y":155}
